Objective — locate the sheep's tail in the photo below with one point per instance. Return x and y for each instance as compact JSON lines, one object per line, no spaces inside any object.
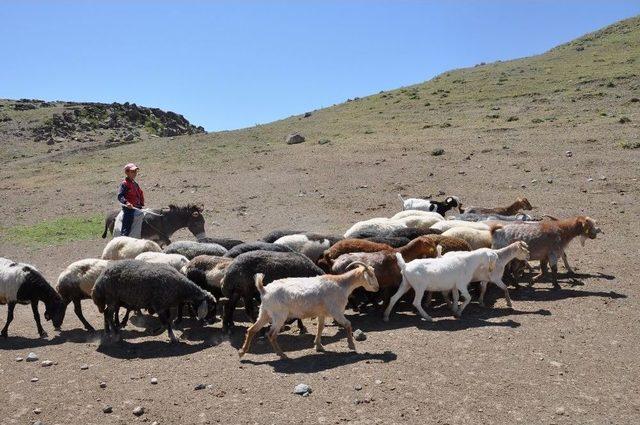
{"x":97,"y":295}
{"x":258,"y":277}
{"x":401,"y":262}
{"x":494,"y":228}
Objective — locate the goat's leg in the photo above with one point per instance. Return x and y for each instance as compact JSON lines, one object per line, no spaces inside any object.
{"x":10,"y":308}
{"x":344,"y":322}
{"x":553,"y":261}
{"x":273,"y":336}
{"x":454,"y":304}
{"x":502,"y":286}
{"x":543,"y":272}
{"x":464,"y":291}
{"x":567,"y":266}
{"x":483,"y":290}
{"x":262,"y":320}
{"x":301,"y":327}
{"x":403,"y":289}
{"x":317,"y":340}
{"x":77,"y":308}
{"x":36,"y":317}
{"x":417,"y":303}
{"x":447,"y":299}
{"x":429,"y":298}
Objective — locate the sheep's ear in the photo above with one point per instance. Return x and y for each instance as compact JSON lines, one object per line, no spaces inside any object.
{"x":203,"y":309}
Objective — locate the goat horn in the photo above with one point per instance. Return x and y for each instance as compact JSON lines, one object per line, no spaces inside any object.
{"x":357,"y":263}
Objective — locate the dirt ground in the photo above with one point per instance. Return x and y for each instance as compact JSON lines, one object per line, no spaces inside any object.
{"x":559,"y":356}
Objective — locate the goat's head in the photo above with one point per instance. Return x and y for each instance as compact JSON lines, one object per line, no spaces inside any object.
{"x":588,"y":228}
{"x":524,"y":204}
{"x":453,"y":202}
{"x":523,"y":250}
{"x":368,"y":274}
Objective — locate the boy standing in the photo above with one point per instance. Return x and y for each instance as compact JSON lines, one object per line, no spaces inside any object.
{"x":130,"y":196}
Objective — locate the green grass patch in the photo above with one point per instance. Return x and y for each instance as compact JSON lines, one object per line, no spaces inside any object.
{"x":629,"y":145}
{"x":56,"y":232}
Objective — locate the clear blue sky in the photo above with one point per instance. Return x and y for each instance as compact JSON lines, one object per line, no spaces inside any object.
{"x":232,"y":64}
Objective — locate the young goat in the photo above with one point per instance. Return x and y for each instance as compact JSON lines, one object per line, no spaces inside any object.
{"x":428,"y":205}
{"x":513,"y":209}
{"x":547,"y":239}
{"x":302,"y":298}
{"x":444,"y":274}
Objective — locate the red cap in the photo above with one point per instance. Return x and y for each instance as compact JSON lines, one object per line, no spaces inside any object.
{"x":130,"y":166}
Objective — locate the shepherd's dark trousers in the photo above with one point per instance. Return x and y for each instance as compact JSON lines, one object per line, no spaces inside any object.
{"x":127,"y":220}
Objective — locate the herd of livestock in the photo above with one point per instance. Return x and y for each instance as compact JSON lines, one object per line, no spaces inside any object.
{"x":292,"y":275}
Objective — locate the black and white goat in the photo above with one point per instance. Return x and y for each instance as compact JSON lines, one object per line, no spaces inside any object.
{"x":430,"y":205}
{"x":24,"y":284}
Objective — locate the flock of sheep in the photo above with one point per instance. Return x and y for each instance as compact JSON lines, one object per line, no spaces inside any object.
{"x":294,"y":275}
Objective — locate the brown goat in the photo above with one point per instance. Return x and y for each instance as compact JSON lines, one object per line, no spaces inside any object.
{"x":513,"y":209}
{"x":547,"y":239}
{"x":349,"y":245}
{"x":450,"y":243}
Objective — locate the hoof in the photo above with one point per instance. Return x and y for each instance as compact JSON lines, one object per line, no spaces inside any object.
{"x":385,"y":319}
{"x":43,"y":334}
{"x":320,"y":349}
{"x":241,"y":353}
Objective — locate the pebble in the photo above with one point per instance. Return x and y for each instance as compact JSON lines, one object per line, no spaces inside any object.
{"x":549,"y":181}
{"x":523,"y":186}
{"x":357,"y":387}
{"x":32,"y":357}
{"x":378,"y":382}
{"x":154,"y":381}
{"x":138,"y":411}
{"x":590,"y":179}
{"x":200,"y":387}
{"x":358,"y":335}
{"x":560,"y":411}
{"x":37,"y":410}
{"x":34,"y":379}
{"x":103,"y":385}
{"x":107,"y":409}
{"x":302,"y":389}
{"x":603,"y":178}
{"x":19,"y":359}
{"x":569,"y":154}
{"x":47,"y":363}
{"x":84,"y":367}
{"x":534,"y":181}
{"x":556,"y":364}
{"x":154,"y":423}
{"x":37,"y":423}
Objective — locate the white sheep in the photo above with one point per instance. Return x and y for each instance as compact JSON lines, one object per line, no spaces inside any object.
{"x":176,"y":261}
{"x":420,"y":221}
{"x":124,"y":247}
{"x":474,"y":237}
{"x":442,"y":274}
{"x":445,"y":225}
{"x":300,"y":297}
{"x":412,"y":213}
{"x":301,"y":243}
{"x":376,"y":225}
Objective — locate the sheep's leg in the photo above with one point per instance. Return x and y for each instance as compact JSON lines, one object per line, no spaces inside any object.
{"x":317,"y":341}
{"x":276,"y":324}
{"x":483,"y":290}
{"x":227,"y":312}
{"x":77,"y":308}
{"x":179,"y":315}
{"x":115,"y":322}
{"x":107,"y":326}
{"x":10,"y":308}
{"x":165,"y":319}
{"x":464,"y":291}
{"x":36,"y":317}
{"x":403,"y":289}
{"x":344,"y":322}
{"x":417,"y":303}
{"x":567,"y":266}
{"x":250,"y":308}
{"x":262,"y":320}
{"x":125,"y":320}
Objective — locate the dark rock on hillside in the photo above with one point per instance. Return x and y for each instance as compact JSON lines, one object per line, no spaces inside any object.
{"x":294,"y":138}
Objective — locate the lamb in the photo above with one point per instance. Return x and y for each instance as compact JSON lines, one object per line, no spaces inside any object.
{"x":385,"y":265}
{"x":176,"y":261}
{"x":474,"y":237}
{"x":349,"y":245}
{"x":301,"y":298}
{"x":448,"y":273}
{"x":207,"y":271}
{"x":308,"y":245}
{"x":124,"y":247}
{"x":429,"y":205}
{"x":137,"y":284}
{"x":24,"y":284}
{"x":238,"y":281}
{"x":445,"y":225}
{"x":191,"y":249}
{"x":227,"y":243}
{"x":255,"y":246}
{"x":513,"y":209}
{"x":547,"y":239}
{"x":378,"y":225}
{"x":76,"y":282}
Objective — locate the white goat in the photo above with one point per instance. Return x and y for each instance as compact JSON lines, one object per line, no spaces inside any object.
{"x":443,"y":274}
{"x":123,"y":247}
{"x":176,"y":261}
{"x":300,"y":298}
{"x":376,"y":225}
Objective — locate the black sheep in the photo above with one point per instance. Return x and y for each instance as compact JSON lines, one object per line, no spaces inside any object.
{"x":255,"y":246}
{"x":191,"y":249}
{"x":227,"y":243}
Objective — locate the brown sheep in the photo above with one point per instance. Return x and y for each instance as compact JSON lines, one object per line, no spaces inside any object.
{"x":513,"y":209}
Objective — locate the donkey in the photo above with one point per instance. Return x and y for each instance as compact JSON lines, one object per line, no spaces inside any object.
{"x":159,"y":228}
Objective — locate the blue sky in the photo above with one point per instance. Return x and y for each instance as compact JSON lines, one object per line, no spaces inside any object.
{"x":232,"y":64}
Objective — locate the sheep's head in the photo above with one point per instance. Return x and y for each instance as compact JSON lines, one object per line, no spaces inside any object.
{"x":524,"y":204}
{"x":368,"y":274}
{"x":588,"y":228}
{"x":206,"y":309}
{"x":523,"y":250}
{"x":55,"y":312}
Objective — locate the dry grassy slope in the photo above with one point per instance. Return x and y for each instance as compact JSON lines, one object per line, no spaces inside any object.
{"x":571,"y":97}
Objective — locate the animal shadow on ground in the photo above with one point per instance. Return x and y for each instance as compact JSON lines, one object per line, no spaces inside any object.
{"x":319,"y":362}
